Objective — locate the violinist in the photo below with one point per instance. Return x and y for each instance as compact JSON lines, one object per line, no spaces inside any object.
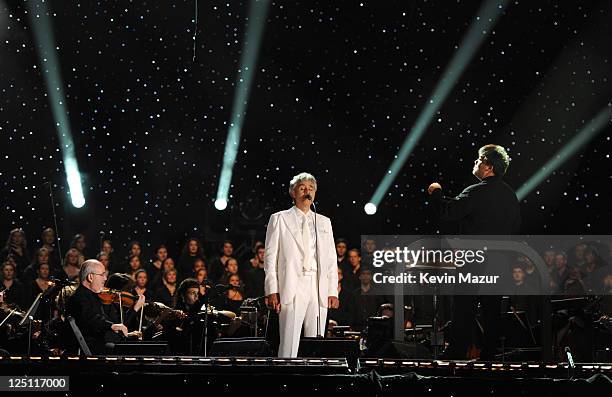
{"x":128,"y":312}
{"x":86,"y":307}
{"x":190,"y":302}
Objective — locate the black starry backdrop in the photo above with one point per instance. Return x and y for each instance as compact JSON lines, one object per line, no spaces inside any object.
{"x":337,"y":88}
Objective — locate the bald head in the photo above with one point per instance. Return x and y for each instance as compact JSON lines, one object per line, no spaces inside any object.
{"x":93,"y":275}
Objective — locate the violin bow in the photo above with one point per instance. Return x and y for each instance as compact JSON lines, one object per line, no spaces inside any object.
{"x":120,"y":306}
{"x":141,"y":315}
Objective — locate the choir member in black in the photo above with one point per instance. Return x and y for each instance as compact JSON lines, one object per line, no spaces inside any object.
{"x":29,"y":274}
{"x":107,"y":248}
{"x":367,"y":298}
{"x":217,"y":265}
{"x":231,"y":268}
{"x":341,"y":248}
{"x":142,"y":288}
{"x":157,"y":281}
{"x":87,"y":310}
{"x":590,"y":268}
{"x":80,"y":244}
{"x":191,"y":251}
{"x":345,"y":314}
{"x":167,"y":294}
{"x":115,"y":264}
{"x":350,"y":269}
{"x":134,"y":249}
{"x":16,"y":248}
{"x":15,"y":293}
{"x":233,"y":297}
{"x":198,"y":264}
{"x":48,"y":242}
{"x":254,"y":277}
{"x":72,"y":265}
{"x":39,"y":286}
{"x":104,"y":259}
{"x":154,"y":268}
{"x":134,"y":265}
{"x":561,"y":272}
{"x":202,"y":278}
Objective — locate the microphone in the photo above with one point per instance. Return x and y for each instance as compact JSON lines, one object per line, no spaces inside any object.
{"x":570,"y":359}
{"x":223,"y":287}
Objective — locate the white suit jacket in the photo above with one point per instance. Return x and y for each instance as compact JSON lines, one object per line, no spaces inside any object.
{"x":285,"y":253}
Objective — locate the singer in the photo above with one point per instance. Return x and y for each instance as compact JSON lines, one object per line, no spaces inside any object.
{"x":301,"y":280}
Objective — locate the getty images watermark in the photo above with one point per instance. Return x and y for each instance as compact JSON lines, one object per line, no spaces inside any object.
{"x":486,"y":265}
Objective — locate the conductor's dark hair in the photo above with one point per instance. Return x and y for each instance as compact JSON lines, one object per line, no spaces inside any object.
{"x":496,"y":157}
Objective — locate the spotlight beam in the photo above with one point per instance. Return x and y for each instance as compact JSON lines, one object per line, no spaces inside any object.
{"x":588,"y":132}
{"x":40,"y":22}
{"x":248,"y":61}
{"x":487,"y":16}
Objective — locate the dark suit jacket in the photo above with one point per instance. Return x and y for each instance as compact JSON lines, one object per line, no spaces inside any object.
{"x":488,"y":207}
{"x":86,"y":308}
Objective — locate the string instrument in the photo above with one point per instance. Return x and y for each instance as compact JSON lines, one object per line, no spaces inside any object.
{"x":124,"y":298}
{"x":11,"y":320}
{"x":8,"y":313}
{"x":606,"y":322}
{"x":159,"y":313}
{"x":213,"y":312}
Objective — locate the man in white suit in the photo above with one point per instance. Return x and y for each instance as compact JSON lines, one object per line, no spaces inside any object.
{"x":300,"y":250}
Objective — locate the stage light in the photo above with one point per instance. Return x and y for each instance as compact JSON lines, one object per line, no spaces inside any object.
{"x":248,"y":61}
{"x":74,"y":182}
{"x":43,"y":34}
{"x":486,"y":17}
{"x":588,"y":132}
{"x":370,"y":208}
{"x":220,"y":204}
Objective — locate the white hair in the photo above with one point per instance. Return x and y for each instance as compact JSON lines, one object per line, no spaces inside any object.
{"x":301,"y":177}
{"x":87,"y":268}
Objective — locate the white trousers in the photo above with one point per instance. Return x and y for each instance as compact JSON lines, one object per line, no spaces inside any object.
{"x":304,"y":310}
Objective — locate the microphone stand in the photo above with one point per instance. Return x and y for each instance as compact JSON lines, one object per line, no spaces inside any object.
{"x":205,"y":330}
{"x":57,"y":234}
{"x":318,"y":262}
{"x":102,"y":235}
{"x":29,"y":317}
{"x":204,"y":334}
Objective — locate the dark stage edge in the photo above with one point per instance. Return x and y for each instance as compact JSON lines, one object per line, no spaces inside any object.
{"x":133,"y":375}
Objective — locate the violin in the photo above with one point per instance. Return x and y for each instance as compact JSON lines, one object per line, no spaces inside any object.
{"x":108,"y":296}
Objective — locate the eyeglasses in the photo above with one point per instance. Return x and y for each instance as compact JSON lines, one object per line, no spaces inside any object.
{"x":99,"y":274}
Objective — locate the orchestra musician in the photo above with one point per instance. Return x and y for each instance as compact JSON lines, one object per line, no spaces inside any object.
{"x":190,"y":301}
{"x":128,"y":312}
{"x":86,"y":307}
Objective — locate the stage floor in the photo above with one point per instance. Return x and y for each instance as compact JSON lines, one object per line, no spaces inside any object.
{"x":133,"y":375}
